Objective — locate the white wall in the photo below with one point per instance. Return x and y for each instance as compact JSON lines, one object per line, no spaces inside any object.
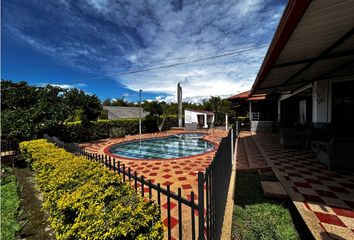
{"x":111,"y":116}
{"x":321,"y":102}
{"x":322,"y":99}
{"x":190,"y":116}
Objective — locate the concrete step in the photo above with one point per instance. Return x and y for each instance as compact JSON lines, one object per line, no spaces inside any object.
{"x":274,"y":190}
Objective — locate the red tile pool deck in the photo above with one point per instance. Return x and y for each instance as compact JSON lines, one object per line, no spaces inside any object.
{"x":324,"y":198}
{"x":177,"y":173}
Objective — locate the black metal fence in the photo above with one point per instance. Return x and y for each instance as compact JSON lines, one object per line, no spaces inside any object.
{"x":216,"y":179}
{"x":212,"y":189}
{"x":140,"y":184}
{"x":8,"y":148}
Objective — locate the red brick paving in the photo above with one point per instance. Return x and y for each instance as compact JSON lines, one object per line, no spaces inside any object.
{"x":248,"y":155}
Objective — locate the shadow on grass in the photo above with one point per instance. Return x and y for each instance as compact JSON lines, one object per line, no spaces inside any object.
{"x":258,"y":217}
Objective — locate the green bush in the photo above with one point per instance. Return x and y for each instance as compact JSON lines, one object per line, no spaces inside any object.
{"x":78,"y":132}
{"x":116,"y":132}
{"x":245,"y":119}
{"x":86,"y":200}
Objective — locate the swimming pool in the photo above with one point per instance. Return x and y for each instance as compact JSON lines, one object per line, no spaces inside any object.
{"x":175,"y":146}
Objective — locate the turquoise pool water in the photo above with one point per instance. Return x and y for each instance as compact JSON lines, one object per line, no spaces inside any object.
{"x":176,"y":146}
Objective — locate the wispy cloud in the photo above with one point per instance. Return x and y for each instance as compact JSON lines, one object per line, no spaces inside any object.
{"x":105,"y":37}
{"x":64,"y":86}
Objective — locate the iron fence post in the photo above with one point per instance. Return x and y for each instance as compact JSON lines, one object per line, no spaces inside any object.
{"x":232,"y":146}
{"x":201,"y":205}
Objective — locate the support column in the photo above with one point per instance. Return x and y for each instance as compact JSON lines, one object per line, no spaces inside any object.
{"x":226,"y":122}
{"x":179,"y":100}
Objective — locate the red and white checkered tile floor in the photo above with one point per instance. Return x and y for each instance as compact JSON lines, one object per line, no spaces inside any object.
{"x":248,"y":155}
{"x":324,"y":198}
{"x":175,"y":173}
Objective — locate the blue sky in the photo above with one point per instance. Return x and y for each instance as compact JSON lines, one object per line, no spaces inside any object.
{"x":92,"y":44}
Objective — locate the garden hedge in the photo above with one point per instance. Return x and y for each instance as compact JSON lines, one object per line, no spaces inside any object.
{"x":77,"y":132}
{"x":86,"y":200}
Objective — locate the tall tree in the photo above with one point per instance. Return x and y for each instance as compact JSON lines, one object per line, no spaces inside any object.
{"x":27,"y":110}
{"x":107,"y":102}
{"x":87,"y":106}
{"x":120,"y":102}
{"x":157,"y":112}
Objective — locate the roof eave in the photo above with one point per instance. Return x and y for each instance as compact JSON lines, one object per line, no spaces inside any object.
{"x":292,"y":15}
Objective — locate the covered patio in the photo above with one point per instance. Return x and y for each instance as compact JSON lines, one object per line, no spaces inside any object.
{"x":310,"y":67}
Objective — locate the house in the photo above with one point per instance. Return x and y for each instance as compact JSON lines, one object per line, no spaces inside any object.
{"x":309,"y":65}
{"x":240,"y":104}
{"x":309,"y":69}
{"x":124,"y":112}
{"x":203,"y":119}
{"x":261,"y":110}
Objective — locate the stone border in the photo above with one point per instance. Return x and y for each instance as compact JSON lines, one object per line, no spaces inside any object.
{"x":108,"y":153}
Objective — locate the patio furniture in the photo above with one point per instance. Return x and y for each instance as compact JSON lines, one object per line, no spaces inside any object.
{"x":337,"y":153}
{"x":313,"y":135}
{"x":292,"y":137}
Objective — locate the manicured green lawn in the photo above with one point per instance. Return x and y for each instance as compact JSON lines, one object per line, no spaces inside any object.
{"x":256,"y":217}
{"x":10,"y":202}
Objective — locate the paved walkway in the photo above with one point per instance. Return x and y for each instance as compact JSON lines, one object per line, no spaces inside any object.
{"x":178,"y":173}
{"x":248,"y":155}
{"x":324,"y":199}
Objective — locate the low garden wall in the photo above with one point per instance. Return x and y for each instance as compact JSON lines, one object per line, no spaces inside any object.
{"x":262,"y":126}
{"x":87,"y":201}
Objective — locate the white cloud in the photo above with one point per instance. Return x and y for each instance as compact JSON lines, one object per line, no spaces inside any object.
{"x":106,"y":37}
{"x":64,"y":86}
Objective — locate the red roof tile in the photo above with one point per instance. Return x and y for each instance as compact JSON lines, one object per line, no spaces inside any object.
{"x":242,"y":95}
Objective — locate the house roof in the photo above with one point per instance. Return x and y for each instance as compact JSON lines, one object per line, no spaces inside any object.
{"x":246,"y":95}
{"x":257,"y":97}
{"x":126,"y":112}
{"x":199,"y":111}
{"x":314,"y":41}
{"x":242,"y":95}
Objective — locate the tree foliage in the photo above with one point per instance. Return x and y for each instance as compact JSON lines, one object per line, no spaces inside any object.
{"x":157,"y":112}
{"x":215,"y":104}
{"x":27,"y":110}
{"x":117,"y":102}
{"x":220,"y":107}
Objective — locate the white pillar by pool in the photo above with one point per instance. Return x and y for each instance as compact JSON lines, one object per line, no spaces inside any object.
{"x":226,"y":123}
{"x":205,"y":121}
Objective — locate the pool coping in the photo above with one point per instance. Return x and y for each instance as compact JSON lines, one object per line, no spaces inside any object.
{"x":107,"y":152}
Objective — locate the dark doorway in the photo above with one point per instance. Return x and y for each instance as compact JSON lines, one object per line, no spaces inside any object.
{"x":200,"y":120}
{"x":297,"y":110}
{"x":343,"y":105}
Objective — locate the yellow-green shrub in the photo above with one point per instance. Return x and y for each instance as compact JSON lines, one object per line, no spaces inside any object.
{"x":86,"y":200}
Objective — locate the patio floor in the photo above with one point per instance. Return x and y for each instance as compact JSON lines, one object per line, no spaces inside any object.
{"x":176,"y":173}
{"x":324,"y":199}
{"x":248,"y":155}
